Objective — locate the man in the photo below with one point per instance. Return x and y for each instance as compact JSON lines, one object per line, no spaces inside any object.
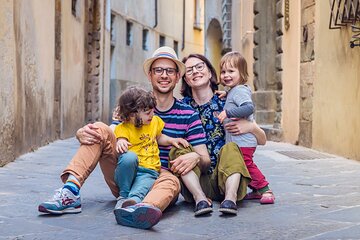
{"x":164,"y":71}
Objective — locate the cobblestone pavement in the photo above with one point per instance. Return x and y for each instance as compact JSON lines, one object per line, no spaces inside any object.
{"x":317,"y":197}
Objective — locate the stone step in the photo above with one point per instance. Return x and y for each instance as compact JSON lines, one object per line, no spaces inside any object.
{"x":272,"y":133}
{"x":265,"y":117}
{"x":266,"y":100}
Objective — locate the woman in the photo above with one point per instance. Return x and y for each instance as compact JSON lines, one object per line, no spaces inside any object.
{"x":228,"y":176}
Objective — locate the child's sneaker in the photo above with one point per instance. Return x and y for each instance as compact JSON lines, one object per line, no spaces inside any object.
{"x":138,"y":216}
{"x":64,"y":201}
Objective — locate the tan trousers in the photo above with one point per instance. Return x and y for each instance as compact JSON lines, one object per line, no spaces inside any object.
{"x":163,"y":193}
{"x":88,"y":156}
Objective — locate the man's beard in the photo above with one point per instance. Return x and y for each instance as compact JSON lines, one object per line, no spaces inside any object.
{"x":162,"y":90}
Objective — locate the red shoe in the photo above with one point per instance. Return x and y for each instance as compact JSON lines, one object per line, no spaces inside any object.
{"x":267,"y":197}
{"x":252,"y":195}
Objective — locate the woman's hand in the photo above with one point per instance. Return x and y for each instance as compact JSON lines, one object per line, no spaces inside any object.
{"x":88,"y":134}
{"x":241,"y":126}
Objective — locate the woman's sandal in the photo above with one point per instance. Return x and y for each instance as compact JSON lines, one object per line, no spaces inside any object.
{"x":228,"y":207}
{"x":203,"y":207}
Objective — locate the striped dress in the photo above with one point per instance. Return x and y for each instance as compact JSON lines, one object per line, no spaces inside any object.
{"x":181,"y":121}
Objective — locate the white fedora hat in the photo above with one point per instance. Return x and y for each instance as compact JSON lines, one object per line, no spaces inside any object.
{"x":164,"y":52}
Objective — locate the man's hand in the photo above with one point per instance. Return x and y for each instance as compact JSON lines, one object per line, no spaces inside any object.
{"x":88,"y":135}
{"x":184,"y":163}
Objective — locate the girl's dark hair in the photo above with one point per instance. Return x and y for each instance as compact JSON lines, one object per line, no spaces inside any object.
{"x":186,"y":89}
{"x":133,"y":100}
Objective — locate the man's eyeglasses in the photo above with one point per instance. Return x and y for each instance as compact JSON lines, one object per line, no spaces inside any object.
{"x":199,"y":67}
{"x":160,"y":70}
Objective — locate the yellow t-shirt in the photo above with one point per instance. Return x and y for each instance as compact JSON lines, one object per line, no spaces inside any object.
{"x":143,"y":141}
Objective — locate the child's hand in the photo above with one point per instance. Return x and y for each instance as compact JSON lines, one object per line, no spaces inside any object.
{"x":122,"y":145}
{"x":176,"y":141}
{"x":222,"y":116}
{"x":222,"y":94}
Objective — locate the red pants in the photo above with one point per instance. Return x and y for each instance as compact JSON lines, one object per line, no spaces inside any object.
{"x":258,"y":179}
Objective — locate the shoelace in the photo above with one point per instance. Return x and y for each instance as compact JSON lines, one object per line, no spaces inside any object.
{"x":59,"y":194}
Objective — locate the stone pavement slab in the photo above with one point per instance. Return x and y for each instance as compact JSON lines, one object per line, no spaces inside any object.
{"x":317,"y":197}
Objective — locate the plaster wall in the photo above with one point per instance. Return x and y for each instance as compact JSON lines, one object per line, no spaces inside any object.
{"x":7,"y":83}
{"x":291,"y":74}
{"x":73,"y":68}
{"x":35,"y":74}
{"x":336,"y":112}
{"x":28,"y":92}
{"x":242,"y":32}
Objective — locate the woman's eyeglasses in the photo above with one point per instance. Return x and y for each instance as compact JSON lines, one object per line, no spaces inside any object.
{"x":199,"y":67}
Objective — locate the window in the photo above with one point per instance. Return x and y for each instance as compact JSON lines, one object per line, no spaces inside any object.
{"x":145,"y":36}
{"x":112,"y":30}
{"x":176,"y":47}
{"x":75,"y":8}
{"x":161,"y":41}
{"x":197,"y":15}
{"x":129,"y":34}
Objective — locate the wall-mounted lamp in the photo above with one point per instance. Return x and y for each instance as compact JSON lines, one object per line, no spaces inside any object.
{"x":355,"y":39}
{"x":287,"y":15}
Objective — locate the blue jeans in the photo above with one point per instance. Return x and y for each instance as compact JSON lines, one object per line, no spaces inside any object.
{"x":133,"y":181}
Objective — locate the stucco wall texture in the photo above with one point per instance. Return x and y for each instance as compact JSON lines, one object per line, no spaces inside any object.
{"x":27,"y":76}
{"x":30,"y":113}
{"x":7,"y":83}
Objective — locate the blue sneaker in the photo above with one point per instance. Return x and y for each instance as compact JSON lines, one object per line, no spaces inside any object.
{"x":64,"y":201}
{"x":138,"y":216}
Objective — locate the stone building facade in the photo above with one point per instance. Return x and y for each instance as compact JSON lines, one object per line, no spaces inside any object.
{"x":63,"y":63}
{"x":304,"y":74}
{"x":140,"y":26}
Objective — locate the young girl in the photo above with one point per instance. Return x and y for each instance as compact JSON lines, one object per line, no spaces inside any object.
{"x":239,"y":105}
{"x":138,"y":137}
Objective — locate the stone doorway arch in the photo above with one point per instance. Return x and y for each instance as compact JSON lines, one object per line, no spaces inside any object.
{"x":213,"y":43}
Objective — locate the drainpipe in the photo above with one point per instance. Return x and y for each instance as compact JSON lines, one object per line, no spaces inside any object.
{"x":156,"y":14}
{"x":183,"y":30}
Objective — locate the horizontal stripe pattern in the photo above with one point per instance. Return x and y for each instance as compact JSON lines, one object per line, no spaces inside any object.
{"x":181,"y":121}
